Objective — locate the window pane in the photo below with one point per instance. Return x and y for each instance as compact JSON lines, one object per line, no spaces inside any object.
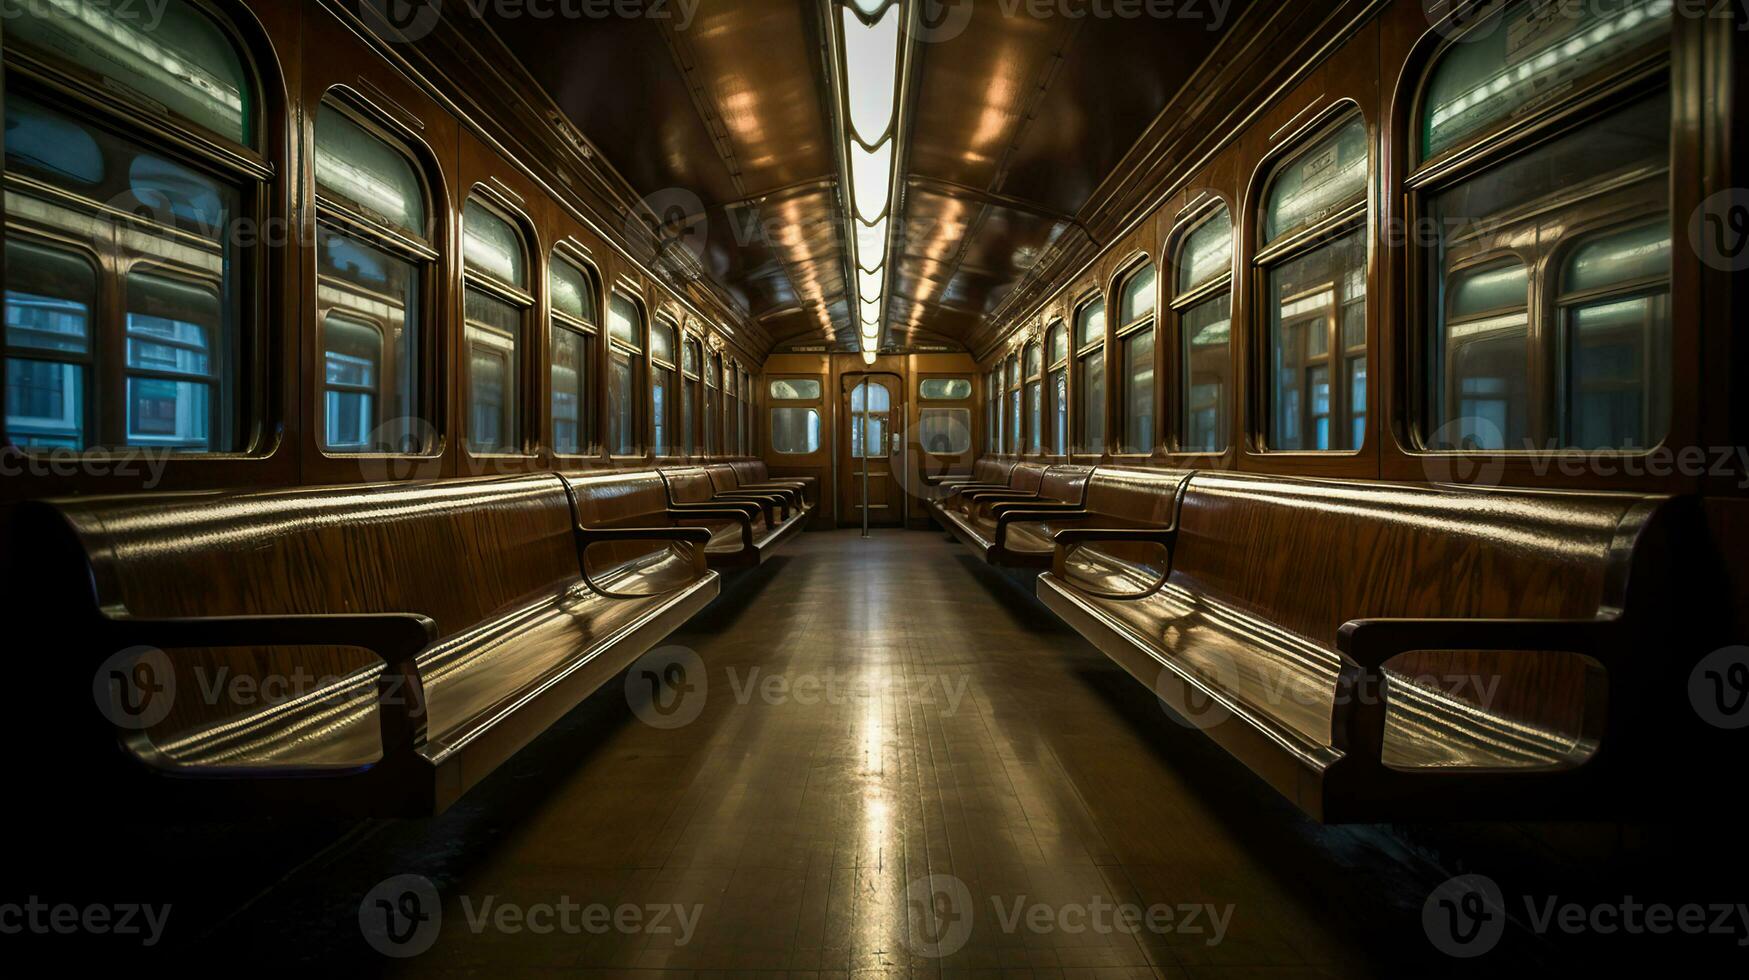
{"x":1057,"y":339}
{"x":794,"y":389}
{"x":1501,"y":68}
{"x":1317,"y":302}
{"x":367,"y":174}
{"x":624,"y":323}
{"x":945,"y":431}
{"x":795,"y":431}
{"x":661,"y":383}
{"x":1059,"y":411}
{"x":169,"y":414}
{"x":573,"y":427}
{"x":945,"y":389}
{"x":1138,"y":413}
{"x":352,"y":368}
{"x":622,"y":394}
{"x":493,"y":329}
{"x":1013,"y":371}
{"x":688,"y":415}
{"x":1093,"y":402}
{"x":491,"y":246}
{"x":171,"y":330}
{"x":49,"y":293}
{"x":362,"y":287}
{"x":1316,"y":182}
{"x":573,"y":290}
{"x":1013,"y":440}
{"x":662,"y":339}
{"x":1035,"y":415}
{"x":689,"y":357}
{"x":1138,"y":295}
{"x":1090,"y":324}
{"x":45,"y":404}
{"x":1031,"y":366}
{"x":176,"y":58}
{"x":1207,"y":252}
{"x":1490,"y":369}
{"x":1206,"y":329}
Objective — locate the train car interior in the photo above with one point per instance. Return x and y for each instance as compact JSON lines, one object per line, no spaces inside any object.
{"x":847,"y":489}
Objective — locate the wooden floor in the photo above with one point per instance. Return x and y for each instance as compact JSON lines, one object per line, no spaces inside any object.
{"x":895,"y":761}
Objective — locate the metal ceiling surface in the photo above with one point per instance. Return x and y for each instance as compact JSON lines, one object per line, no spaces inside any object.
{"x":721,"y":118}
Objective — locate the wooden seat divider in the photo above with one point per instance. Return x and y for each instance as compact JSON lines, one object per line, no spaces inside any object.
{"x":418,"y":634}
{"x":1387,"y":652}
{"x":746,"y":528}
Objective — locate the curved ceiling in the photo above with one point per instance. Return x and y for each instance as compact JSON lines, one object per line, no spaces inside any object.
{"x":722,"y":119}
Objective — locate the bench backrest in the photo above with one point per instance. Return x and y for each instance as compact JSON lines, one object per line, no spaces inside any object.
{"x":728,"y":477}
{"x":1027,"y":477}
{"x":991,"y":470}
{"x":1126,"y":496}
{"x":1310,"y":556}
{"x":1065,"y":483}
{"x":618,"y":499}
{"x":689,"y":485}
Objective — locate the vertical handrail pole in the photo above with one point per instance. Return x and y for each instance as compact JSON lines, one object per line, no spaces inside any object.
{"x":865,"y":452}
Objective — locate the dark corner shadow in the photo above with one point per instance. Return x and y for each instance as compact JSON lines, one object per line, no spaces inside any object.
{"x":1012,"y":590}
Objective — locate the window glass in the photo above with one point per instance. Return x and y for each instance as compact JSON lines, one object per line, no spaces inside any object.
{"x":688,"y":416}
{"x":1057,"y":341}
{"x":361,"y":288}
{"x":795,"y":389}
{"x":1090,"y":324}
{"x":622,"y":394}
{"x":1500,"y":68}
{"x":945,"y":431}
{"x":1138,"y":395}
{"x":177,"y":59}
{"x":1057,"y":390}
{"x":662,"y":338}
{"x":1012,"y":391}
{"x":1318,"y":181}
{"x":491,"y":246}
{"x":1031,"y":366}
{"x":49,"y":298}
{"x":945,"y":389}
{"x":1592,"y":207}
{"x":352,"y":371}
{"x":1207,"y":252}
{"x":171,"y":329}
{"x":572,"y":426}
{"x":1206,"y":329}
{"x":1138,"y":295}
{"x":661,"y":385}
{"x":623,"y":321}
{"x":493,"y":331}
{"x":366,"y":174}
{"x":689,"y":357}
{"x":795,"y":431}
{"x":1092,"y":388}
{"x":573,"y":290}
{"x":1317,"y":334}
{"x":1035,"y":415}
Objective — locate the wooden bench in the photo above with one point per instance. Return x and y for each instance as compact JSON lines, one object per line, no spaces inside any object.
{"x":726,"y":480}
{"x":398,"y":642}
{"x":746,"y":528}
{"x":987,"y":470}
{"x":1387,"y":652}
{"x":1014,"y":529}
{"x":754,"y":474}
{"x":1022,"y":480}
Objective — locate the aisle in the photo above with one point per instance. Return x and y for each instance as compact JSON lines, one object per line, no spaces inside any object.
{"x":892,"y":760}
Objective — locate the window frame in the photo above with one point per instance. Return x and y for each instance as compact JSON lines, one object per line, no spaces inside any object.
{"x":692,"y":391}
{"x":1192,"y":220}
{"x":1078,"y":355}
{"x":590,"y":438}
{"x":1051,"y":369}
{"x":638,"y":358}
{"x":1134,"y":266}
{"x":668,"y":446}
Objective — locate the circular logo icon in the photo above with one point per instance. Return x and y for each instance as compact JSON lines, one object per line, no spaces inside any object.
{"x":1465,"y":916}
{"x":666,"y":687}
{"x":1719,"y":230}
{"x":1719,"y":687}
{"x":401,"y":449}
{"x":1190,"y":702}
{"x":938,"y":911}
{"x":135,"y":688}
{"x":407,"y":20}
{"x":1465,"y":21}
{"x":401,"y":916}
{"x":672,"y":218}
{"x":938,"y":21}
{"x":1456,"y":453}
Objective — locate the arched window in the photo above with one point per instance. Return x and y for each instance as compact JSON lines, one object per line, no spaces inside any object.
{"x":664,"y":360}
{"x":691,"y":372}
{"x":713,"y":395}
{"x":1032,"y":365}
{"x":1547,"y":292}
{"x":1313,"y":258}
{"x":993,"y":410}
{"x":135,"y":331}
{"x":625,"y":365}
{"x":1202,"y":302}
{"x":1011,"y":389}
{"x":496,"y":308}
{"x":1136,"y":346}
{"x":1057,"y":387}
{"x":731,"y":407}
{"x":374,"y":257}
{"x":1090,"y":376}
{"x":574,"y":333}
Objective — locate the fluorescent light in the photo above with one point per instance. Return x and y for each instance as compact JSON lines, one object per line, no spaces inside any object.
{"x":871,"y":310}
{"x":871,"y":244}
{"x":871,"y":282}
{"x":871,"y":178}
{"x":871,"y":68}
{"x":869,"y":6}
{"x":868,"y":357}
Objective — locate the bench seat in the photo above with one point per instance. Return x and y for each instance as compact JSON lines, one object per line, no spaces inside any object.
{"x":481,"y":626}
{"x":1005,"y":528}
{"x":1317,"y":632}
{"x":746,"y":527}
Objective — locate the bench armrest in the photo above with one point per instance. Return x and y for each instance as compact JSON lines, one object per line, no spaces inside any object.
{"x":698,"y":537}
{"x":1067,"y":539}
{"x":1357,"y":724}
{"x":1014,"y":513}
{"x":720,"y":509}
{"x":395,"y":638}
{"x":702,"y":513}
{"x":1039,"y":506}
{"x":774,"y":506}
